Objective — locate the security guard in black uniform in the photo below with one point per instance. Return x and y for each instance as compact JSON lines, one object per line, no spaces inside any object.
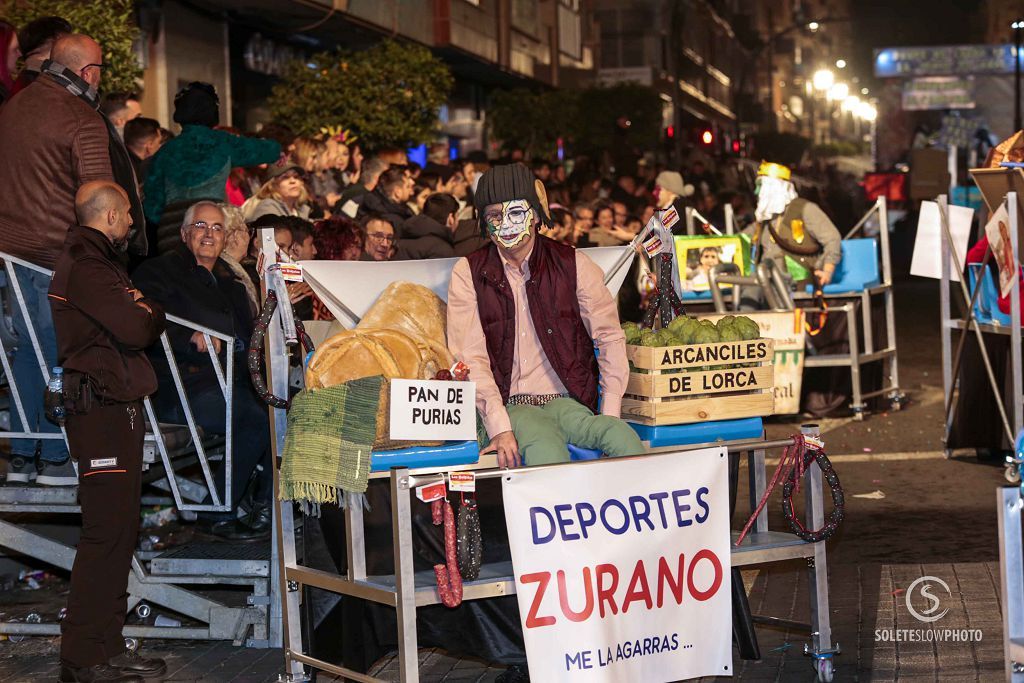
{"x":103,"y":324}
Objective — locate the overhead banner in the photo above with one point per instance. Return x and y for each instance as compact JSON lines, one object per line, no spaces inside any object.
{"x":622,"y":568}
{"x":940,"y":92}
{"x":943,"y":60}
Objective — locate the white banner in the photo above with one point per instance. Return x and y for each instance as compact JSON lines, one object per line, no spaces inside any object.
{"x":622,"y":568}
{"x":349,"y":288}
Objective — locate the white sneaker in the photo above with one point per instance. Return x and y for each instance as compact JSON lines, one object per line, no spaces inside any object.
{"x":58,"y":473}
{"x":21,"y":470}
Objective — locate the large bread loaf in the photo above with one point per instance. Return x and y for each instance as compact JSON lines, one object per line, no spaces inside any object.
{"x":411,"y":308}
{"x":353,"y":354}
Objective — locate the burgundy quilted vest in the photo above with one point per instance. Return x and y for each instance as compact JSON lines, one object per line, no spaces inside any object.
{"x":554,"y":307}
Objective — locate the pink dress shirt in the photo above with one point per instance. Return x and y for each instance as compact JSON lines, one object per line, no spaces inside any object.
{"x":531,"y":371}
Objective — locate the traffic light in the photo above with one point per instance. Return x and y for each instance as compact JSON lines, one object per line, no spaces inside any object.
{"x":670,"y":132}
{"x":707,"y":137}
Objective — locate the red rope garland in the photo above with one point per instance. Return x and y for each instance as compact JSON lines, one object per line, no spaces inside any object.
{"x":792,"y":467}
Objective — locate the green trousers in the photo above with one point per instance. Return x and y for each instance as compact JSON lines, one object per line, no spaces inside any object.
{"x":543,"y":432}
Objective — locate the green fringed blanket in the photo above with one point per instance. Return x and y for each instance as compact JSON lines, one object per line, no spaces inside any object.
{"x":327,"y":447}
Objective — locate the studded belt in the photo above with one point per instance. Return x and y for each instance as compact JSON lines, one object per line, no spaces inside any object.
{"x":533,"y":399}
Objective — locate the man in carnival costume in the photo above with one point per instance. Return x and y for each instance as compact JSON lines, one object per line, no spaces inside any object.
{"x":793,"y":232}
{"x":526,"y":313}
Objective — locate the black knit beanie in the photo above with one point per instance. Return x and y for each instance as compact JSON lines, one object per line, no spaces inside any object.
{"x":504,"y":184}
{"x":197,"y":104}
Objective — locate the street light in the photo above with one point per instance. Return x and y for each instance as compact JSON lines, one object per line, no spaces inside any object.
{"x":850,"y":103}
{"x":867,"y":111}
{"x":813,"y":26}
{"x":838,"y":92}
{"x":1016,"y":26}
{"x":864,"y":91}
{"x":823,"y":79}
{"x":840,"y":63}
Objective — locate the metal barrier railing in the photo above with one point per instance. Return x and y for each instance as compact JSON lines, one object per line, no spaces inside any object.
{"x":225,"y":379}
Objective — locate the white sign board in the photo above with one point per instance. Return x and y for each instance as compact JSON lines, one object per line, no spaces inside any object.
{"x":431,"y":410}
{"x":927,"y":259}
{"x":790,"y":334}
{"x":622,"y":568}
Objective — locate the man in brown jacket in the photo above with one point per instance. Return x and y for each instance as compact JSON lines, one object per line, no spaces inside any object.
{"x":52,"y":141}
{"x":103,"y":328}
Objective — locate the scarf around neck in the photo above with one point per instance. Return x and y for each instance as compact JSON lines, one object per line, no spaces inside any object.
{"x":72,"y":82}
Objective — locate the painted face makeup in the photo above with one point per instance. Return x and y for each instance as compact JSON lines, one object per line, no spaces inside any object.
{"x":511,"y":224}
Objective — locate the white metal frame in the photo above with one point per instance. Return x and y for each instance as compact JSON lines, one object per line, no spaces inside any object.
{"x":858,"y":357}
{"x":854,"y":304}
{"x":1013,"y":422}
{"x":221,"y":621}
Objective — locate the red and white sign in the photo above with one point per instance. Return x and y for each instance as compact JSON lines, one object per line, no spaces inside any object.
{"x":622,"y":567}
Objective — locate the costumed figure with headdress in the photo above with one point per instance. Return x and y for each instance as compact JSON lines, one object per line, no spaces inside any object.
{"x":793,"y":232}
{"x":526,"y":313}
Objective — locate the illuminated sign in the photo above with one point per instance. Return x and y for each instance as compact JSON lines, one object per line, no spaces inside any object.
{"x":943,"y":60}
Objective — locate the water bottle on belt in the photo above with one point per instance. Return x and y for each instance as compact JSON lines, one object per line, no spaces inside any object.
{"x":54,"y":400}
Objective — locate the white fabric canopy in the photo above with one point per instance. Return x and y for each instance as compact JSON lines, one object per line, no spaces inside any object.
{"x":349,"y":288}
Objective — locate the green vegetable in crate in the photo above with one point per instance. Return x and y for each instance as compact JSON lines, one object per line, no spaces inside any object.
{"x":747,"y":328}
{"x":706,"y":333}
{"x":632,"y":332}
{"x":666,"y":338}
{"x":648,"y":338}
{"x":684,"y":328}
{"x":728,"y":330}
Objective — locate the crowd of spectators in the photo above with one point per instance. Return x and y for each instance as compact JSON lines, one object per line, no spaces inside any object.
{"x":200,"y":197}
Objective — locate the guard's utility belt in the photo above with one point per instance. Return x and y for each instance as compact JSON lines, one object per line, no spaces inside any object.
{"x":80,"y":394}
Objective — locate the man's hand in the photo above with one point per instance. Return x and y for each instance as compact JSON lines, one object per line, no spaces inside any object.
{"x":824,"y":276}
{"x":136,"y":294}
{"x":507,"y":449}
{"x":297,"y":291}
{"x":199,"y":341}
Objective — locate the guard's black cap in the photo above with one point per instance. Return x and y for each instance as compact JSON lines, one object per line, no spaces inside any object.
{"x":504,"y":184}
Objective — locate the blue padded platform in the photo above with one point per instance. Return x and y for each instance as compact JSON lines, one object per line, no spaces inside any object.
{"x":700,"y":432}
{"x":858,"y":270}
{"x":697,"y":296}
{"x":458,"y":453}
{"x":576,"y":453}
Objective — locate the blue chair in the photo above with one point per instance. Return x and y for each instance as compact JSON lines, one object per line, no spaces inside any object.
{"x":858,"y":270}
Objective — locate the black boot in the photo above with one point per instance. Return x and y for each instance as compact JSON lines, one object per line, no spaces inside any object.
{"x":260,"y":517}
{"x":131,"y":662}
{"x":104,"y":673}
{"x":232,"y":530}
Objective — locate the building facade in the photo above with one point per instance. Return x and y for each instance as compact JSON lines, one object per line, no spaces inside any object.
{"x":242,"y":47}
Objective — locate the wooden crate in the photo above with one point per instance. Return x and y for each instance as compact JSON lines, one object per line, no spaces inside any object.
{"x":699,"y":382}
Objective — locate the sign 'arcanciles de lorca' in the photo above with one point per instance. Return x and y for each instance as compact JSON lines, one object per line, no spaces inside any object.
{"x":622,"y":567}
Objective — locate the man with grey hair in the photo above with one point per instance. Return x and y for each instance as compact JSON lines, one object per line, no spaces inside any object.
{"x":193,"y":282}
{"x":53,"y":141}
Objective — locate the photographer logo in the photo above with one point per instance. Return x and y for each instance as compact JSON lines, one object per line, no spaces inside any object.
{"x":923,"y":586}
